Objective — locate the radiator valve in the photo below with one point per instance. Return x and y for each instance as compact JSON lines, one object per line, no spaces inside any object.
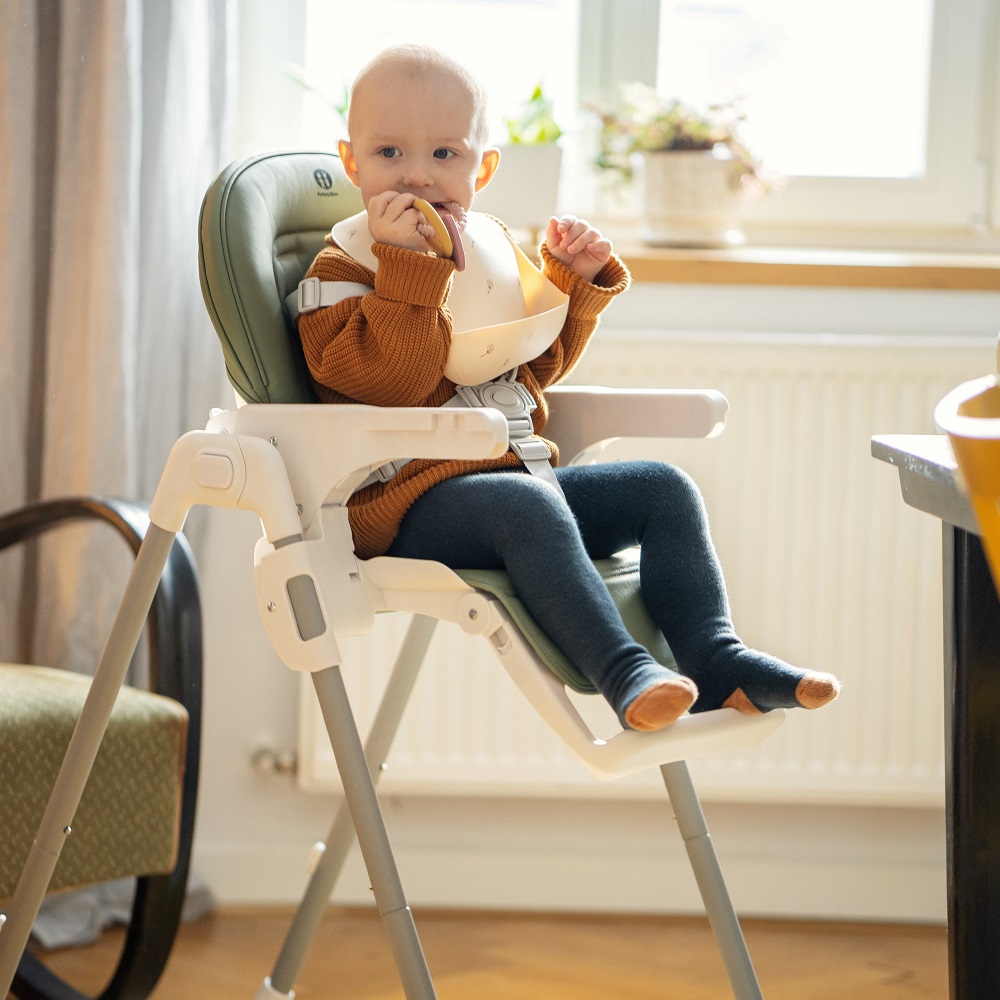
{"x":267,"y":760}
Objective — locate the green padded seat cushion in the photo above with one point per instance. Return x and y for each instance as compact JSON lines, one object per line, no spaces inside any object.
{"x":620,"y":574}
{"x":128,"y":819}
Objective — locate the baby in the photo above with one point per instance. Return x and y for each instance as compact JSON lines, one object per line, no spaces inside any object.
{"x":418,"y":133}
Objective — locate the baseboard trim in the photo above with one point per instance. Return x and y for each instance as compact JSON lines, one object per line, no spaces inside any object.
{"x":842,"y":889}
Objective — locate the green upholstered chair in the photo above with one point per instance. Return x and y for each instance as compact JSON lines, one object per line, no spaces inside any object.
{"x":136,"y":816}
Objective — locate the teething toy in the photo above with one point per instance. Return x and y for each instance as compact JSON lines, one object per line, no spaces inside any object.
{"x":446,"y":231}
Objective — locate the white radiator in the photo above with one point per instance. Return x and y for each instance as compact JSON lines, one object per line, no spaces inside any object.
{"x":826,"y":567}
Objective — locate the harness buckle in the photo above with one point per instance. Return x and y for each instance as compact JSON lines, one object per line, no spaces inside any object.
{"x":385,"y":472}
{"x":309,"y":294}
{"x":531,"y":449}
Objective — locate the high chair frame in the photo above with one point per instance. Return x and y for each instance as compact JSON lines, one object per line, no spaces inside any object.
{"x":295,"y":463}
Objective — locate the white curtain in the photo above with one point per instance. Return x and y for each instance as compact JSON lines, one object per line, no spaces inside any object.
{"x":112,"y":125}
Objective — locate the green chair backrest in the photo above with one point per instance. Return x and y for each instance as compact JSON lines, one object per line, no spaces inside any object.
{"x":262,"y":222}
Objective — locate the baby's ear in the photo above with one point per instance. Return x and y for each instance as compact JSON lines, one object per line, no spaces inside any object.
{"x":488,"y":167}
{"x":347,"y":158}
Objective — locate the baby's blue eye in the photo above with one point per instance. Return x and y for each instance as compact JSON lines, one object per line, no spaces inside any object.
{"x":442,"y":154}
{"x":389,"y":152}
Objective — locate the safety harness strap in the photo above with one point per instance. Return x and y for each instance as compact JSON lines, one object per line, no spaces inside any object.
{"x":514,"y":401}
{"x":312,"y":294}
{"x":505,"y":393}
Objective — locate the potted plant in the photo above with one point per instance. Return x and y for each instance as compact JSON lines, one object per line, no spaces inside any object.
{"x":523,"y":191}
{"x":690,"y":166}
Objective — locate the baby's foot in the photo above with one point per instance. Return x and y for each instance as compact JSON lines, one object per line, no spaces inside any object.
{"x":660,"y":704}
{"x":814,"y":691}
{"x":753,"y":682}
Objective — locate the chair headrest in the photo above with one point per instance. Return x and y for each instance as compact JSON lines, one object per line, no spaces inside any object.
{"x":262,"y":222}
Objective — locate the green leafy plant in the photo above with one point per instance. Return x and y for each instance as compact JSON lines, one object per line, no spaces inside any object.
{"x":535,"y":124}
{"x":641,"y":120}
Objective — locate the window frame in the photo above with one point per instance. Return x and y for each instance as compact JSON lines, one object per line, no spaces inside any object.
{"x":956,"y":205}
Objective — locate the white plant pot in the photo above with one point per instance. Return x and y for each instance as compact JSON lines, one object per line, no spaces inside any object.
{"x":524,"y":189}
{"x":688,"y":198}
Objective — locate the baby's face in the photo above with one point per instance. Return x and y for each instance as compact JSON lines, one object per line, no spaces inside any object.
{"x":415,"y":137}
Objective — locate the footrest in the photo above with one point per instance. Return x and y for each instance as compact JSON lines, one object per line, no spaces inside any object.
{"x":128,"y":819}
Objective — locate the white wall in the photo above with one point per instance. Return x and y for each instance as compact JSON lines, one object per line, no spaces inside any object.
{"x":822,"y":861}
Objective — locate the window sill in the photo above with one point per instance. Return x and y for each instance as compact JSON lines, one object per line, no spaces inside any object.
{"x":801,"y":267}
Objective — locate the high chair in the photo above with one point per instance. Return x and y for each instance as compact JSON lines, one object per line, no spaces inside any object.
{"x":295,"y":463}
{"x":970,"y":416}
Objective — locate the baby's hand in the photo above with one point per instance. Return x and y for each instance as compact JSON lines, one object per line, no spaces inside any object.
{"x":393,"y":219}
{"x":578,"y":245}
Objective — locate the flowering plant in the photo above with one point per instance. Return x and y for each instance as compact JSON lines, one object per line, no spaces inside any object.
{"x":644,"y":122}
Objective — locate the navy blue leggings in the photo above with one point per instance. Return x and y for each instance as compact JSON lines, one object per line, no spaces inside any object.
{"x":511,"y":520}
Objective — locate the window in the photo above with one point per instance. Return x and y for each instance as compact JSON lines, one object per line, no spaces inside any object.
{"x":852,"y":78}
{"x":880,"y":114}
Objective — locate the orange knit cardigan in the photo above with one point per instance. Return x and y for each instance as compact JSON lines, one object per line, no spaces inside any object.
{"x":389,"y":347}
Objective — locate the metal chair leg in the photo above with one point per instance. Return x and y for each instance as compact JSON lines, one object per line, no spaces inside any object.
{"x":359,"y":791}
{"x":338,"y":841}
{"x":721,"y":915}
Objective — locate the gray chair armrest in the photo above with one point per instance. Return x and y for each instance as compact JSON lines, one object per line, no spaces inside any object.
{"x":582,"y":418}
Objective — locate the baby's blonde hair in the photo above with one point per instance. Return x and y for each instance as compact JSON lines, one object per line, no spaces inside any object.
{"x":424,"y":61}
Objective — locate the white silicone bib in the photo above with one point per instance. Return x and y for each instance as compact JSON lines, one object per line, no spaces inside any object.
{"x":504,"y":310}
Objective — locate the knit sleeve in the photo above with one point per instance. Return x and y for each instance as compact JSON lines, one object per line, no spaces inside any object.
{"x":587,"y":300}
{"x":389,"y":346}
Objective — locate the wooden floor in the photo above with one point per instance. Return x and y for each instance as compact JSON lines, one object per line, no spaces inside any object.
{"x":481,"y":956}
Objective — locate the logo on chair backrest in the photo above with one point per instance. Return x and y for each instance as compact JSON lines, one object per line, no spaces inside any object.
{"x":324,"y":180}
